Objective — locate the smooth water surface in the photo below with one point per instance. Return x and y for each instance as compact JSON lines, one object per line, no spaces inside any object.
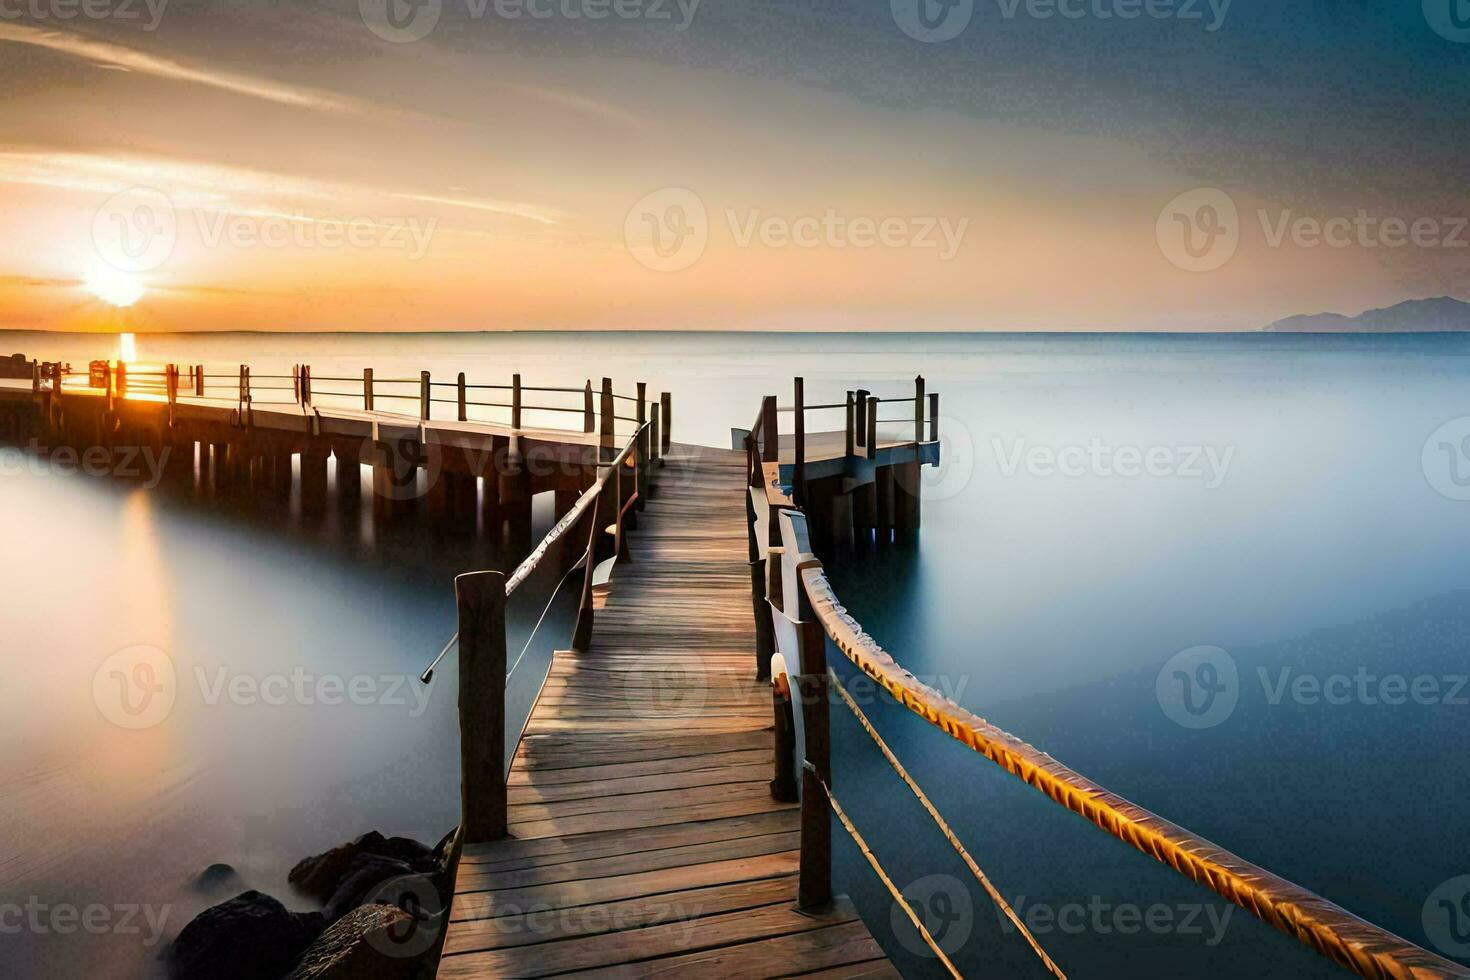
{"x":1293,"y":519}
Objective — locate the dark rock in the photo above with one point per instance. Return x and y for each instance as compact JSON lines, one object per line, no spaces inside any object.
{"x":318,"y":877}
{"x":366,"y":873}
{"x":374,"y":942}
{"x":250,"y":936}
{"x":215,"y":877}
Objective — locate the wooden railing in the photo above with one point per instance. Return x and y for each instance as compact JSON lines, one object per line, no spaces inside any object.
{"x":598,"y":518}
{"x":805,"y":617}
{"x":596,"y":412}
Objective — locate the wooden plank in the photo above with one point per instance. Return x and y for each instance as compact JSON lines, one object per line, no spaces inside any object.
{"x":644,"y":840}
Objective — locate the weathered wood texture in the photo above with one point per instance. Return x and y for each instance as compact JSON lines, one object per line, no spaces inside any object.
{"x":644,"y":839}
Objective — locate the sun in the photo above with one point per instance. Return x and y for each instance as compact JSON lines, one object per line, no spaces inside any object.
{"x":113,"y":287}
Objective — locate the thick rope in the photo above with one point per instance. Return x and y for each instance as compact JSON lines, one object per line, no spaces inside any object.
{"x":1329,"y":929}
{"x":867,"y":852}
{"x":944,"y":828}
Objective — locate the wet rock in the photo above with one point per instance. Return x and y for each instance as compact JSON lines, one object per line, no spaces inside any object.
{"x":215,"y":878}
{"x":250,"y":936}
{"x":318,"y":877}
{"x":374,"y":942}
{"x":364,"y":875}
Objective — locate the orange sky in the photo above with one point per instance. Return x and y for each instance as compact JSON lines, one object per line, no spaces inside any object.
{"x":378,"y":186}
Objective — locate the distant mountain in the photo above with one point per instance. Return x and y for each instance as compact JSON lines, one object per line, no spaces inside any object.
{"x":1415,"y":316}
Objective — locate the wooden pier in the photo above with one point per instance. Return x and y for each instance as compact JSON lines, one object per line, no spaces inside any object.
{"x":643,"y":838}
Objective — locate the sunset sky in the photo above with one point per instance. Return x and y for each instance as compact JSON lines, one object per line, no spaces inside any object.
{"x":809,"y":164}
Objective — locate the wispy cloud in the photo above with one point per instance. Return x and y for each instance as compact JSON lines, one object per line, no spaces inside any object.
{"x":531,"y":212}
{"x":117,"y":57}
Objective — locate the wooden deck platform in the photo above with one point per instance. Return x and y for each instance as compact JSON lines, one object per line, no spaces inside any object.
{"x":644,"y":840}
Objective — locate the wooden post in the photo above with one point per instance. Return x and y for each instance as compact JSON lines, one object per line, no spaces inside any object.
{"x":655,"y":437}
{"x":306,"y":384}
{"x":367,"y":389}
{"x":122,"y":379}
{"x":481,"y":598}
{"x":582,"y":635}
{"x":199,"y":380}
{"x":589,"y":411}
{"x":783,"y":785}
{"x":851,"y":426}
{"x":770,"y":432}
{"x":798,"y":480}
{"x":36,"y":378}
{"x":919,"y":409}
{"x":515,"y":402}
{"x":640,"y":452}
{"x":934,"y":417}
{"x":765,"y":631}
{"x":861,"y":421}
{"x":815,"y":886}
{"x":872,"y":428}
{"x":609,"y":411}
{"x":464,"y":415}
{"x":667,"y":416}
{"x":426,"y":392}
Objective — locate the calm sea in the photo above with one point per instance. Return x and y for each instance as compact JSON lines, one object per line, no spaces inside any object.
{"x":1276,"y":521}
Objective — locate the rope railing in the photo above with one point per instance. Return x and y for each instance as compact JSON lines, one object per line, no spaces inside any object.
{"x":1319,"y":924}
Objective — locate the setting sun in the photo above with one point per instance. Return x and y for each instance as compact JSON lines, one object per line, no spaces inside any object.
{"x":113,"y":287}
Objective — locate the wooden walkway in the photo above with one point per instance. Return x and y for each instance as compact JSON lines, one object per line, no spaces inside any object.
{"x":644,"y":840}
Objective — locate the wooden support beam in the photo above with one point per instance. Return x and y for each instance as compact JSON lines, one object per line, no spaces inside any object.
{"x":463,"y":395}
{"x":883,"y":493}
{"x":667,"y":405}
{"x":589,"y":411}
{"x":609,"y":418}
{"x":798,"y":481}
{"x":919,"y":409}
{"x":481,"y":600}
{"x":934,"y":417}
{"x":770,"y":431}
{"x":814,"y":889}
{"x":426,"y":396}
{"x":655,"y":436}
{"x":860,"y":423}
{"x":872,"y":420}
{"x":515,"y":402}
{"x":367,"y":389}
{"x":851,"y":425}
{"x":640,"y":453}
